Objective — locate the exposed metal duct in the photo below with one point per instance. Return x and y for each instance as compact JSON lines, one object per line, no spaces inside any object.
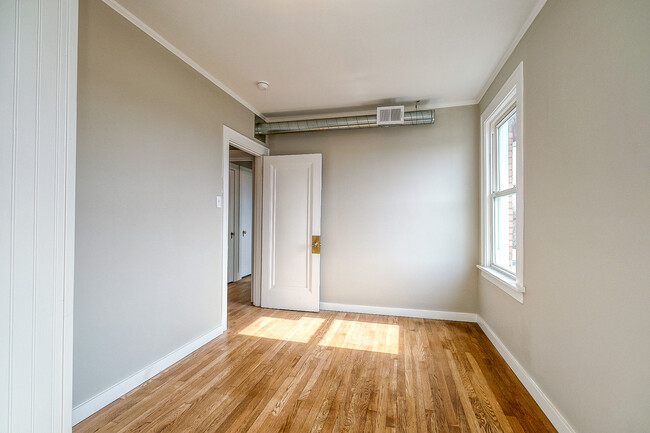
{"x":352,"y":122}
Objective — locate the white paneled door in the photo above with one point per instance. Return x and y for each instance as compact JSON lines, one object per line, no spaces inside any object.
{"x":245,"y":229}
{"x":233,"y":203}
{"x":291,"y":215}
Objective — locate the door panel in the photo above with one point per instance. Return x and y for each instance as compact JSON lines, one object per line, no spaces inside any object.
{"x":245,"y":220}
{"x":290,"y":217}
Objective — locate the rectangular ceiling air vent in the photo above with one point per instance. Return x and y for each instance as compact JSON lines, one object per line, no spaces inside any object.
{"x":390,"y":115}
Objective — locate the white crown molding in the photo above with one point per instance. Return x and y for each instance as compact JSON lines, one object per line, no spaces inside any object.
{"x":448,"y":104}
{"x":269,"y":116}
{"x":178,"y":53}
{"x":538,"y":7}
{"x":401,"y":312}
{"x":545,"y":403}
{"x":104,"y":398}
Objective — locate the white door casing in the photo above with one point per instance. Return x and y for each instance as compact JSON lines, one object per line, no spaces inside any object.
{"x":245,"y":227}
{"x":257,"y":149}
{"x":291,"y":214}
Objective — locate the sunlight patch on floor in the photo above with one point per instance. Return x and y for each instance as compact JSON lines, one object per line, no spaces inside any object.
{"x":299,"y":331}
{"x":374,"y":337}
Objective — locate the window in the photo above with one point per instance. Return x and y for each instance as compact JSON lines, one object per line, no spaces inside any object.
{"x":502,"y":188}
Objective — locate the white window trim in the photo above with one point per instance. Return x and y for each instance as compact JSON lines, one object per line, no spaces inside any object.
{"x":511,"y":95}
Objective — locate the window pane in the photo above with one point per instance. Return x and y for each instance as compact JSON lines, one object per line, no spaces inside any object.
{"x":506,"y":152}
{"x":504,"y":236}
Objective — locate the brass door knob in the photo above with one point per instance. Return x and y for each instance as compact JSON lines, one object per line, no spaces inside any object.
{"x":315,"y":244}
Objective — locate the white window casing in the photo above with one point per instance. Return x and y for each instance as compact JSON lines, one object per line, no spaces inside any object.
{"x":510,"y":97}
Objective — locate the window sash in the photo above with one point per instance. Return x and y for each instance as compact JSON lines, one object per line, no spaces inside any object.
{"x":494,"y":193}
{"x":493,"y":234}
{"x":494,"y":158}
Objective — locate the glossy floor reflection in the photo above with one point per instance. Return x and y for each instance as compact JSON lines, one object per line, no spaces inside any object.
{"x":357,"y":335}
{"x":300,"y":331}
{"x":290,"y":371}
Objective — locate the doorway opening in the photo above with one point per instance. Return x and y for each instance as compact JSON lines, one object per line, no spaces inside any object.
{"x":287,"y":204}
{"x":242,"y":217}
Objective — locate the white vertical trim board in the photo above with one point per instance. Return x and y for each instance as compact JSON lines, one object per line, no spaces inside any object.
{"x":401,"y":312}
{"x":89,"y":407}
{"x":178,"y":53}
{"x":38,"y":86}
{"x":68,"y":86}
{"x":545,"y":403}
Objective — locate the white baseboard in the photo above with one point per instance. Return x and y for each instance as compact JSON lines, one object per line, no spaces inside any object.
{"x":402,"y":312}
{"x":84,"y":410}
{"x":89,"y":407}
{"x":547,"y":406}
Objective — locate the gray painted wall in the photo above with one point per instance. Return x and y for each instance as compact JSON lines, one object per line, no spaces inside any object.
{"x":400,"y":209}
{"x":400,"y":214}
{"x":583,"y":330}
{"x":148,"y":248}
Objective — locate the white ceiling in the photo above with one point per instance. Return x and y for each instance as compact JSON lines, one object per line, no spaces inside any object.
{"x":339,"y":55}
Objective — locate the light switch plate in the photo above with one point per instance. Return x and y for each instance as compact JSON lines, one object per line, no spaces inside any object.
{"x":218,"y":201}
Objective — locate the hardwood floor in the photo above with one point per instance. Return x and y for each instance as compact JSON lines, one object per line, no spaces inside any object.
{"x":288,"y":371}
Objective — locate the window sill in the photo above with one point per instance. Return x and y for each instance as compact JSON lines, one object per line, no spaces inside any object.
{"x":503,"y":281}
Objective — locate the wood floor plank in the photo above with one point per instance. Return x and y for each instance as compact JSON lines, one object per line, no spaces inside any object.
{"x":286,"y":371}
{"x":488,"y":401}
